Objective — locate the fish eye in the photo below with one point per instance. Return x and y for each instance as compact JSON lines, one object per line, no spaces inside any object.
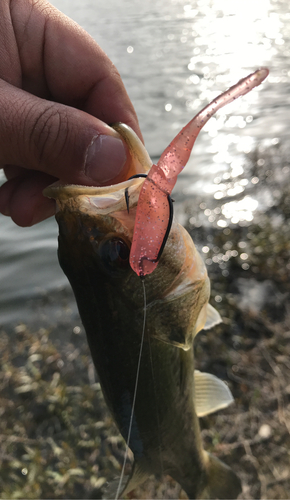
{"x":114,"y":253}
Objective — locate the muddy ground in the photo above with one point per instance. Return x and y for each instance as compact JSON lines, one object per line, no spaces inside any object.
{"x":57,"y":439}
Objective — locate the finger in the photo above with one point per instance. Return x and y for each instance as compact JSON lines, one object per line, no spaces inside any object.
{"x":60,"y":61}
{"x":59,"y":140}
{"x":21,"y":198}
{"x":12,"y":171}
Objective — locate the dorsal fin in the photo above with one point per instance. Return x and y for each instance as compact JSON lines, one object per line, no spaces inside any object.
{"x":210,"y":393}
{"x":223,"y":482}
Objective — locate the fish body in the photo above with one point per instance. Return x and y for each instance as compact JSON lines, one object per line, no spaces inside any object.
{"x":95,"y":236}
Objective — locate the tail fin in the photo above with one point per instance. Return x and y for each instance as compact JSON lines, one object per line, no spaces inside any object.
{"x":223,"y":482}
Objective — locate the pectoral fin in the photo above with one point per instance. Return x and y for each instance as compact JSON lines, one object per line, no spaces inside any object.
{"x":212,"y":317}
{"x":211,"y":393}
{"x":138,"y":475}
{"x":208,"y":317}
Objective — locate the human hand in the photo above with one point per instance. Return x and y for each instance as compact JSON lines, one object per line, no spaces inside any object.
{"x":58,"y":90}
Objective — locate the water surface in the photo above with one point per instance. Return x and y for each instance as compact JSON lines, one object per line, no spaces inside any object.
{"x":174,"y":57}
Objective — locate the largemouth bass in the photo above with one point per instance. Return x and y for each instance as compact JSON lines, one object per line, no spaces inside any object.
{"x":95,"y":235}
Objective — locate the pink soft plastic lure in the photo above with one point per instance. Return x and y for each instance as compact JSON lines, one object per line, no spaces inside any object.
{"x":153,"y":209}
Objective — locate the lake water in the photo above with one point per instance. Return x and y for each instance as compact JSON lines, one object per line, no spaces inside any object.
{"x":174,"y":57}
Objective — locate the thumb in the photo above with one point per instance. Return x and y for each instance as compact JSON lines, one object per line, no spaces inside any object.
{"x":58,"y":140}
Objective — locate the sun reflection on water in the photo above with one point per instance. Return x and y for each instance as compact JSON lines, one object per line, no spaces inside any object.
{"x":236,"y":34}
{"x":228,"y":39}
{"x":241,"y":210}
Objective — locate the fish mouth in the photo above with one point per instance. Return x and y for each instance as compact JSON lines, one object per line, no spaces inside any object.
{"x":106,"y":199}
{"x":103,"y":199}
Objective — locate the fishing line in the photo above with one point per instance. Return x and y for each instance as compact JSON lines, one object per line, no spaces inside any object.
{"x":156,"y":403}
{"x":135,"y":394}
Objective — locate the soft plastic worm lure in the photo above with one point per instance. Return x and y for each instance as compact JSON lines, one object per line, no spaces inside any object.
{"x":154,"y":210}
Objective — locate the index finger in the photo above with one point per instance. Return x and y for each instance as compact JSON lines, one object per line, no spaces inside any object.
{"x":62,"y":62}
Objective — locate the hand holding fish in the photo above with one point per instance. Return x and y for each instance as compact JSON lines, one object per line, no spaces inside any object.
{"x":57,"y":92}
{"x":154,"y":217}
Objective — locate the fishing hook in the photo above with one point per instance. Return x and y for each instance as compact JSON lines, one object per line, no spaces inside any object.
{"x":126,"y":190}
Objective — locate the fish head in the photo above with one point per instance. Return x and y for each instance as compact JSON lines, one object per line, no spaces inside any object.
{"x":95,"y":236}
